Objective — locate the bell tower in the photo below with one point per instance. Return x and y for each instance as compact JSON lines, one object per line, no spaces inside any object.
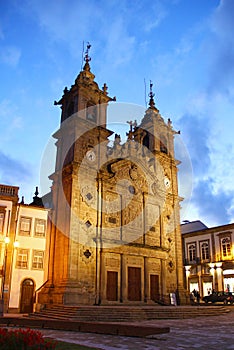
{"x":81,"y":134}
{"x":157,"y":137}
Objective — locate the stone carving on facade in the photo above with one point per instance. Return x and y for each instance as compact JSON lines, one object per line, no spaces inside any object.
{"x":89,"y":194}
{"x":133,"y":172}
{"x":170,"y":264}
{"x":87,"y":254}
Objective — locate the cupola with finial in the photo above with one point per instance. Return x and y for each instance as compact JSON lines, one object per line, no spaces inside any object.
{"x":85,"y":96}
{"x":153,"y":132}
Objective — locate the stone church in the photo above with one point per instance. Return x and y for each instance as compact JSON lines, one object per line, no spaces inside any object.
{"x":115,"y":222}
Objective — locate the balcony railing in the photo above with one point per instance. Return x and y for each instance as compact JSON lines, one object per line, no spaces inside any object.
{"x":11,"y":191}
{"x":190,"y":262}
{"x":196,"y":261}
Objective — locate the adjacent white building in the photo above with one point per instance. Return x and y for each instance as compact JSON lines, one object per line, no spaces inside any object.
{"x":24,"y":243}
{"x":208,"y":257}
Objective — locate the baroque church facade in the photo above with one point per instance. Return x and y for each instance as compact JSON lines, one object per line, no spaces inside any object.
{"x":115,"y":236}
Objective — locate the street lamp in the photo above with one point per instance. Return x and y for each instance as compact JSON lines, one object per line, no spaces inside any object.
{"x":6,"y":241}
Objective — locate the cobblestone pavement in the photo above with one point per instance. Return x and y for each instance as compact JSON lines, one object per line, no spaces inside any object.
{"x":208,"y":333}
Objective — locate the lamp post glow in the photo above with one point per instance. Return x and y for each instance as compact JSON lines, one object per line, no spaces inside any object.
{"x":3,"y":287}
{"x":7,"y":240}
{"x":16,"y":244}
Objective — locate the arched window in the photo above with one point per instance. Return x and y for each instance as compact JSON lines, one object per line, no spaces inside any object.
{"x":70,"y":109}
{"x":226,"y":246}
{"x":192,"y":252}
{"x":163,"y":144}
{"x":146,"y":140}
{"x":91,"y":113}
{"x":205,"y":251}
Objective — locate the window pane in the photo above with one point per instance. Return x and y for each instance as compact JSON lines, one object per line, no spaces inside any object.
{"x":205,"y":251}
{"x":40,"y":227}
{"x":25,"y":226}
{"x":22,"y":259}
{"x":226,"y":246}
{"x":192,"y":252}
{"x":38,"y":259}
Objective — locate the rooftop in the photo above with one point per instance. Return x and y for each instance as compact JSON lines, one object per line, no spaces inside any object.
{"x":192,"y":226}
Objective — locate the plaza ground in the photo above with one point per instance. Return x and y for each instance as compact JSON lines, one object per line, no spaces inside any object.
{"x":202,"y":333}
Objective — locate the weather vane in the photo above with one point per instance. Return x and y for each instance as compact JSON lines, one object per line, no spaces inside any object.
{"x":151,"y":95}
{"x":87,"y":58}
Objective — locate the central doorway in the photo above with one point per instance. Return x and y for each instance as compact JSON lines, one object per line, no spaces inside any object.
{"x":134,"y":283}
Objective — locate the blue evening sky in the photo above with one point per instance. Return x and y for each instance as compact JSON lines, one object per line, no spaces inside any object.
{"x":186,"y":47}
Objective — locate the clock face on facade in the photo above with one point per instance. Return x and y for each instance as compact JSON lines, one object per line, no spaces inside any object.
{"x":91,"y":156}
{"x":167,"y":182}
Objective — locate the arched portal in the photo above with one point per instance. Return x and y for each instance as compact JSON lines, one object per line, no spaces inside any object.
{"x":27,"y":294}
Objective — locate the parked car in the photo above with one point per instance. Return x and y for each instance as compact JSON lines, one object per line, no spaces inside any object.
{"x":225,"y":297}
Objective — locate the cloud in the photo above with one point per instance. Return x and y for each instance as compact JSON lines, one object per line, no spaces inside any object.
{"x":157,"y":14}
{"x":10,"y":121}
{"x":215,"y":207}
{"x":212,"y":199}
{"x":65,"y":24}
{"x":10,"y":55}
{"x":9,"y":113}
{"x":196,"y":138}
{"x":1,"y":34}
{"x":117,"y":37}
{"x":206,"y":127}
{"x":222,"y":20}
{"x":103,"y":23}
{"x":221,"y":49}
{"x":13,"y":171}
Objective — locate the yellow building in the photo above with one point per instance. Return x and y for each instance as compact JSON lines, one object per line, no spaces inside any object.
{"x":116,"y":220}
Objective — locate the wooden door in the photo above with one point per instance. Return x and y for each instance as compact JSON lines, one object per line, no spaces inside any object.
{"x":112,"y":286}
{"x":154,"y":287}
{"x":27,"y":294}
{"x":134,"y":283}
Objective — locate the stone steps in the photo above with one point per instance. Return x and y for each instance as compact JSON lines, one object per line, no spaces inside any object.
{"x":126,"y":313}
